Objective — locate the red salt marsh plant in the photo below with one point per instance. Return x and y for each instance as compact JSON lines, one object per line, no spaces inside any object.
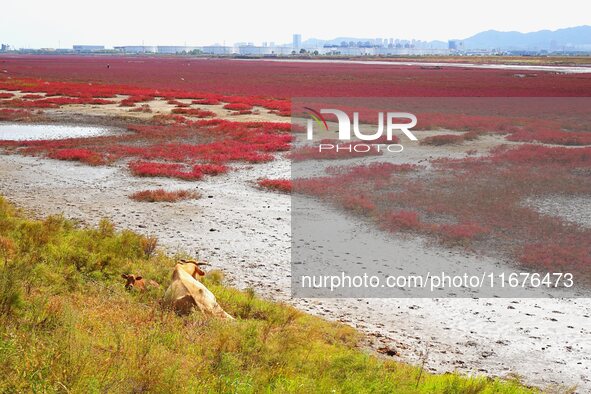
{"x":444,"y":139}
{"x":288,"y":79}
{"x":176,"y":170}
{"x":279,"y":185}
{"x":401,"y":220}
{"x":544,"y":155}
{"x":161,"y":195}
{"x":360,"y":203}
{"x":178,"y":103}
{"x":557,"y":137}
{"x":19,"y":114}
{"x":20,"y":103}
{"x":461,"y":233}
{"x":200,"y":113}
{"x":172,"y":170}
{"x":238,"y":107}
{"x":82,"y":155}
{"x":31,"y":96}
{"x":211,"y":169}
{"x":142,"y":108}
{"x":555,"y":256}
{"x":163,"y":119}
{"x":207,"y":101}
{"x":131,"y":101}
{"x":53,"y":102}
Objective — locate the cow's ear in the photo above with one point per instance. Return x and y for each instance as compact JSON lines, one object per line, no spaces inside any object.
{"x":138,"y":278}
{"x":124,"y":276}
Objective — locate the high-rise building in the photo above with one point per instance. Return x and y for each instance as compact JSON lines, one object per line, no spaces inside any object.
{"x":297,"y":41}
{"x":455,"y":45}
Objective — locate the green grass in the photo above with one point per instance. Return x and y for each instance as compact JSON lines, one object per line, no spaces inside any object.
{"x":68,"y":325}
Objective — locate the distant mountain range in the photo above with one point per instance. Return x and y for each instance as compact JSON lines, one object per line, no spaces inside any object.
{"x":572,"y":38}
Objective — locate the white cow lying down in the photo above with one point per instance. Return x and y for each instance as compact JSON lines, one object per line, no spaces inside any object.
{"x":187,"y":292}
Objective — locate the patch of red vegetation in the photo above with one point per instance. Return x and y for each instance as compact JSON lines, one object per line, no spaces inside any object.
{"x":551,"y":256}
{"x":199,"y":113}
{"x":400,"y":220}
{"x":296,"y":79}
{"x":238,"y":107}
{"x":178,"y":103}
{"x":544,"y":155}
{"x":131,"y":101}
{"x":142,"y":108}
{"x":161,"y":195}
{"x":554,"y":136}
{"x":279,"y":185}
{"x":211,"y":169}
{"x":176,"y":170}
{"x":18,"y":115}
{"x":32,"y":96}
{"x":462,"y":232}
{"x":172,"y":170}
{"x":207,"y":101}
{"x":53,"y":102}
{"x":82,"y":155}
{"x":443,"y":139}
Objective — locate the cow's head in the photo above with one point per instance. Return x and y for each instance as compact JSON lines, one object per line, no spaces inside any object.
{"x":192,"y":267}
{"x":133,"y":281}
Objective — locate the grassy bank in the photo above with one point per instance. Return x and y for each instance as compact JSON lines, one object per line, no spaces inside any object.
{"x":68,"y":325}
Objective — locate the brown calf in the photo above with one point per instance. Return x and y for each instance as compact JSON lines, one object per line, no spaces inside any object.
{"x":137,"y":282}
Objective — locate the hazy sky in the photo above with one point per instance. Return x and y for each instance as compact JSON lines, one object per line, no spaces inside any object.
{"x":49,"y":23}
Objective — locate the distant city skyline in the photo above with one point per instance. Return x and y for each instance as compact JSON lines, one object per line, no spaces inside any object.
{"x":572,"y":40}
{"x":63,"y":23}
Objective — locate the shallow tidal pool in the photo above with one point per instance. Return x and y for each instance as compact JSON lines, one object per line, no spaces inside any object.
{"x":31,"y":132}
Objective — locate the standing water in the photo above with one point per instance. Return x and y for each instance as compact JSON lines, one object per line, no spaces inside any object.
{"x":21,"y":132}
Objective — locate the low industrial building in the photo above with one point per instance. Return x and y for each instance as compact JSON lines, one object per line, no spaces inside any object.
{"x":176,"y":49}
{"x":88,"y":48}
{"x":137,"y":49}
